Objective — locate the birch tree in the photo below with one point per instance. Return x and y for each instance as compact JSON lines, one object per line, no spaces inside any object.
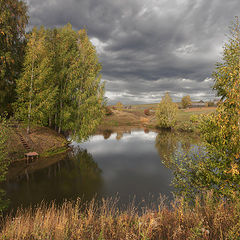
{"x":61,"y":82}
{"x":87,"y":89}
{"x":36,"y":91}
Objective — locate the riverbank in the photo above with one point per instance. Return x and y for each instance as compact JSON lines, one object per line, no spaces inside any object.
{"x":135,"y":118}
{"x":125,"y":119}
{"x":43,"y":140}
{"x":205,"y":219}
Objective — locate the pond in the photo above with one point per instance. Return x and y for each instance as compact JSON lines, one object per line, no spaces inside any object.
{"x":127,"y":165}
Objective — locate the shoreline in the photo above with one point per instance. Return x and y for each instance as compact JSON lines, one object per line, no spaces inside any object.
{"x":124,"y":119}
{"x":43,"y":140}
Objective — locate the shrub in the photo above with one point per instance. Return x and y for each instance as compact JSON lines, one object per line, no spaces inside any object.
{"x":166,"y":112}
{"x":108,"y":111}
{"x":119,"y":105}
{"x":186,"y":101}
{"x":210,"y":104}
{"x":194,"y":118}
{"x":147,"y":112}
{"x":186,"y":126}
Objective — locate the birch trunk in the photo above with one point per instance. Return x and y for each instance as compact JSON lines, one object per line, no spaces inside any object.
{"x":30,"y":99}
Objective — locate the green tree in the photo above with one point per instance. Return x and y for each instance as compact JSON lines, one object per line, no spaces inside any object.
{"x":35,"y":88}
{"x":166,"y":112}
{"x":79,"y":102}
{"x":61,"y":82}
{"x":66,"y":50}
{"x":51,"y":44}
{"x":218,"y":169}
{"x":87,"y":90}
{"x":186,"y":101}
{"x":222,"y":129}
{"x":13,"y":20}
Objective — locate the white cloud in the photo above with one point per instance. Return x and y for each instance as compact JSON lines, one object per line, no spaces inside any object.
{"x":99,"y":45}
{"x":185,"y":50}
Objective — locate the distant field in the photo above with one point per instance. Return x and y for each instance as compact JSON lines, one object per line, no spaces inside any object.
{"x":135,"y":116}
{"x":184,"y":114}
{"x":144,"y":106}
{"x":154,"y":106}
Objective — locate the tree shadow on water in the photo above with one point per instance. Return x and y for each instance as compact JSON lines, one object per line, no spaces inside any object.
{"x":171,"y":143}
{"x":75,"y":176}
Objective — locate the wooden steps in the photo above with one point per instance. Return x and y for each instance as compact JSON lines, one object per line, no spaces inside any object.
{"x":29,"y":156}
{"x":23,"y":141}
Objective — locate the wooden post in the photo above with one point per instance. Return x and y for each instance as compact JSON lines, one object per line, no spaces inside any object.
{"x":31,"y":156}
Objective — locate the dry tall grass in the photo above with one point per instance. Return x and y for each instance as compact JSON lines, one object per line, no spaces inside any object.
{"x":206,"y":220}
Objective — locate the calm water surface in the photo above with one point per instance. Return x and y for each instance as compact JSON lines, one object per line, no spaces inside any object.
{"x":129,"y":165}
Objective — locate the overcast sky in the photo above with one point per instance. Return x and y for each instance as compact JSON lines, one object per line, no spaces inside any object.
{"x":148,"y":47}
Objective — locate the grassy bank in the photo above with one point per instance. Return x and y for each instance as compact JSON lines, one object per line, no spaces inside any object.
{"x":207,"y":220}
{"x":42,"y":140}
{"x":184,"y":121}
{"x":125,"y":119}
{"x":50,"y":145}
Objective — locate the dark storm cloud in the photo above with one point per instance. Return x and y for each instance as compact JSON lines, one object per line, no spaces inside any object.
{"x":148,"y":47}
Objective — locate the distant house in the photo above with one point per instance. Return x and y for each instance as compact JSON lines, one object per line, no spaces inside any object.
{"x":216,"y":102}
{"x":129,"y":107}
{"x":198,"y":104}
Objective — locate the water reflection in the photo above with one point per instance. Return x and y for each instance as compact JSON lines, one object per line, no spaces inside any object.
{"x":75,"y":176}
{"x":146,"y":130}
{"x":130,"y":164}
{"x":107,"y":133}
{"x":119,"y":135}
{"x":168,"y":143}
